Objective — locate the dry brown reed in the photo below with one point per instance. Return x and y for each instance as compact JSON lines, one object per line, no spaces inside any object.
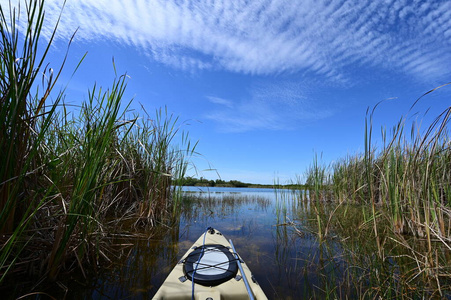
{"x":406,"y":184}
{"x":68,"y":175}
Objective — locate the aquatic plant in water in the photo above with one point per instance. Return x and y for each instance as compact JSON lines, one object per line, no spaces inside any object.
{"x":68,"y":174}
{"x":406,"y":185}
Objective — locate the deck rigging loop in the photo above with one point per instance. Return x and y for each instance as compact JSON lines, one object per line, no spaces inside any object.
{"x":213,"y":264}
{"x":210,"y":265}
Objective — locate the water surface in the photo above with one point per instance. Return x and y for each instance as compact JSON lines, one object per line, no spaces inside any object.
{"x":284,"y":263}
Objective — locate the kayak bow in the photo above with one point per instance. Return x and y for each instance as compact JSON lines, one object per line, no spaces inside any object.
{"x":211,"y":270}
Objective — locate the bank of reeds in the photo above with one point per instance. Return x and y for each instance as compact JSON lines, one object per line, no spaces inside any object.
{"x":406,"y":183}
{"x":66,"y":172}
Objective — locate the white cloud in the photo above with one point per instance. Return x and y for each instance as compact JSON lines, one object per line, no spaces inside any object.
{"x":254,"y":37}
{"x":274,"y":106}
{"x":221,"y":101}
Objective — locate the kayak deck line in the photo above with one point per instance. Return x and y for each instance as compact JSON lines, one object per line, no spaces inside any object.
{"x":218,"y":271}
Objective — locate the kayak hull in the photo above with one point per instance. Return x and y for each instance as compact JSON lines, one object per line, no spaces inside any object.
{"x":179,"y":286}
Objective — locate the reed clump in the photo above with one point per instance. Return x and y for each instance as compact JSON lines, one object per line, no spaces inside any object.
{"x":406,"y":184}
{"x":67,"y":174}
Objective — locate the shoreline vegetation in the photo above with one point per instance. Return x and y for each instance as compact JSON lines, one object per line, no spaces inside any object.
{"x":403,"y":190}
{"x":70,"y":177}
{"x":192,"y":181}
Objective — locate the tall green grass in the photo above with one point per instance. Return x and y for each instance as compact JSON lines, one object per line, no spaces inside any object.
{"x":409,"y":176}
{"x":91,"y":146}
{"x":406,"y":184}
{"x":24,"y":122}
{"x":67,"y":174}
{"x":20,"y":112}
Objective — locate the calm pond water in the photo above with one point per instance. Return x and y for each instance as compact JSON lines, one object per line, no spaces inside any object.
{"x":288,"y":261}
{"x":284,"y":263}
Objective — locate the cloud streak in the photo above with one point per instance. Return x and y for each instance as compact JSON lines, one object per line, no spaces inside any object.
{"x":274,"y":106}
{"x":269,"y":37}
{"x":221,"y":101}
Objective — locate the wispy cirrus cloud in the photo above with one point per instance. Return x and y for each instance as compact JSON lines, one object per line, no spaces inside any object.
{"x":275,"y":106}
{"x":266,"y":37}
{"x":220,"y":101}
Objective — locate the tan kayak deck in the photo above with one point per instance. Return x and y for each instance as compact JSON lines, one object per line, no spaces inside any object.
{"x":174,"y":288}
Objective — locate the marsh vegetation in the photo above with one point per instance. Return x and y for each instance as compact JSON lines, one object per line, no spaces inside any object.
{"x":70,"y":176}
{"x":403,"y":191}
{"x":81,"y":187}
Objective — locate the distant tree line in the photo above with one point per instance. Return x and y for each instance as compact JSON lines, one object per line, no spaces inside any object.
{"x":192,"y":181}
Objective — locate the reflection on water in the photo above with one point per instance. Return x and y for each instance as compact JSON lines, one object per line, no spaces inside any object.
{"x":289,"y":262}
{"x":284,"y":262}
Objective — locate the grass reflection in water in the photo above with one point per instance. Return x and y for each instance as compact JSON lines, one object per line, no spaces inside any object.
{"x":276,"y":235}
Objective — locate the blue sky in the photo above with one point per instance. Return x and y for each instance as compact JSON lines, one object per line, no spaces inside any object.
{"x":262,"y":85}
